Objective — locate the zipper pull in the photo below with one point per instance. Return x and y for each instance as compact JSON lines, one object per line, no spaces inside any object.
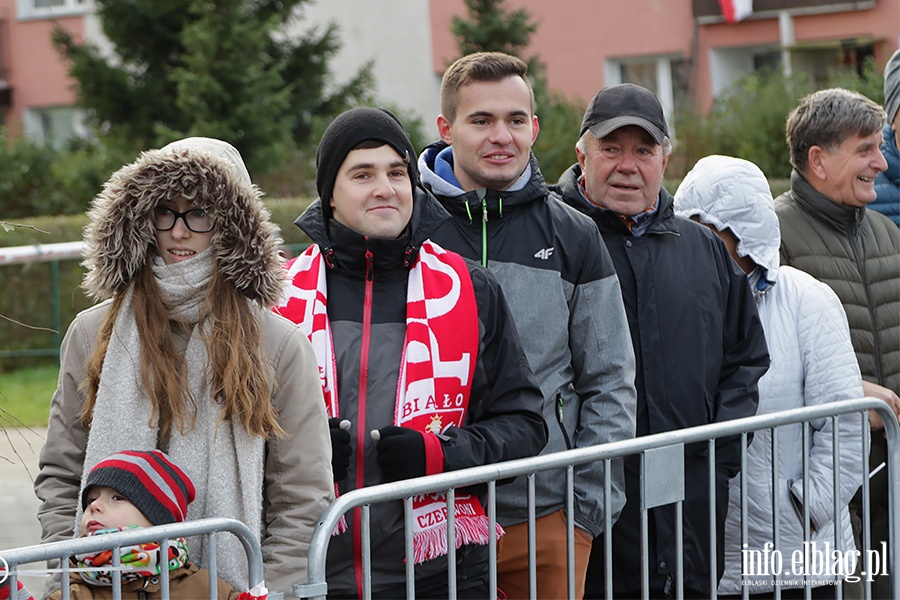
{"x":484,"y":234}
{"x":369,"y":266}
{"x":559,"y":408}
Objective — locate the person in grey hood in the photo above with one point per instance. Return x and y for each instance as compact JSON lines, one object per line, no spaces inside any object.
{"x":184,"y":355}
{"x":412,"y":341}
{"x":812,"y":363}
{"x":564,"y":295}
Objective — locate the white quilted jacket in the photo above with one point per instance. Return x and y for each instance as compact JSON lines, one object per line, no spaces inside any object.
{"x":812,"y":362}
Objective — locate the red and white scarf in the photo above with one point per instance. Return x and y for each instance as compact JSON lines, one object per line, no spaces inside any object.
{"x":436,"y":369}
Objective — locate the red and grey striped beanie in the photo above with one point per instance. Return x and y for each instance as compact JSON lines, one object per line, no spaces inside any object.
{"x":150,"y":481}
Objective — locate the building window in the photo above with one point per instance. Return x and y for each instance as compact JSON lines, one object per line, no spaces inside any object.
{"x":48,"y":9}
{"x":665,"y":76}
{"x":54,"y":125}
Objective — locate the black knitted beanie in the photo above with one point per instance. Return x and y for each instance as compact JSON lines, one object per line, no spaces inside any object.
{"x":347,"y":131}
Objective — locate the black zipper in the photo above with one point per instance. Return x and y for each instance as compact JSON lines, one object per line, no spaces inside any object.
{"x":559,"y":419}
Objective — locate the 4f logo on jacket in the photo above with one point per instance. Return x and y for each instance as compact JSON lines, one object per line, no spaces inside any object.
{"x":544,"y":253}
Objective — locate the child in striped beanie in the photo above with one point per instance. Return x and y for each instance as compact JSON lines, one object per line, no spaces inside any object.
{"x":140,"y":488}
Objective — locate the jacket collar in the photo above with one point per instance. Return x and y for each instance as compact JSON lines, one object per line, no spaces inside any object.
{"x":150,"y":584}
{"x":569,"y":187}
{"x":822,"y":208}
{"x":458,"y":202}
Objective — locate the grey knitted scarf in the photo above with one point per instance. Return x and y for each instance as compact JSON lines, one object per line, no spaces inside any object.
{"x":224,"y":462}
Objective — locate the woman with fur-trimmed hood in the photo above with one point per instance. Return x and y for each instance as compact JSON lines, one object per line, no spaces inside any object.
{"x":184,"y":355}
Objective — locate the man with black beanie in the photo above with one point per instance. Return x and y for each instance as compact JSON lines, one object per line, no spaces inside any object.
{"x":422,"y":369}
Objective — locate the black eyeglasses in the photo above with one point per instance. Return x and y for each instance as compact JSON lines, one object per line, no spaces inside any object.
{"x":196,"y":219}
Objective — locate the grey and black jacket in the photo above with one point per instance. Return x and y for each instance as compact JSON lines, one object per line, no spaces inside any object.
{"x":564,"y":295}
{"x":503,"y":420}
{"x":700,"y":352}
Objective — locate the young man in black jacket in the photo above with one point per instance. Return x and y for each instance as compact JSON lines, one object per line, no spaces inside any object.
{"x":412,"y":341}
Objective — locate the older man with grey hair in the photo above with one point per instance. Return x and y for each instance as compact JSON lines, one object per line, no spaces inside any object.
{"x":697,"y":337}
{"x":834,"y":136}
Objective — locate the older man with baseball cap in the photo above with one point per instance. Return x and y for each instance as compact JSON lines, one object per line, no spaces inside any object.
{"x":697,"y":337}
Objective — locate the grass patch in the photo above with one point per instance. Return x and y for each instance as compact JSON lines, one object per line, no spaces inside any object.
{"x":25,"y":396}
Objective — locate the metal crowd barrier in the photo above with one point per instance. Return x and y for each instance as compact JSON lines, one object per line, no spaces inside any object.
{"x":54,"y":254}
{"x":10,"y":560}
{"x":660,"y":453}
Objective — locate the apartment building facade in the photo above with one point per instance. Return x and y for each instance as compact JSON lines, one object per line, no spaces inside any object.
{"x":684,"y":50}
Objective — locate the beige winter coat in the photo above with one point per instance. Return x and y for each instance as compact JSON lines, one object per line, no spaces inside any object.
{"x":298,"y":484}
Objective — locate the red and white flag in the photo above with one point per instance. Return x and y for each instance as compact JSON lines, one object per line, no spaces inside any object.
{"x":735,"y":10}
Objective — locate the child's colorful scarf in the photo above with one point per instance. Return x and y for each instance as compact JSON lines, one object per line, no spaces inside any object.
{"x":436,"y":369}
{"x":140,"y":560}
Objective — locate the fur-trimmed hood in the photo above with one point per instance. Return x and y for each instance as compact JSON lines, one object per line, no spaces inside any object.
{"x":120,"y":236}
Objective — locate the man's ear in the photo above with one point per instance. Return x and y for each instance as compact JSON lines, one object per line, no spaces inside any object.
{"x":535,"y":128}
{"x":445,"y":129}
{"x":815,"y":159}
{"x":580,"y":155}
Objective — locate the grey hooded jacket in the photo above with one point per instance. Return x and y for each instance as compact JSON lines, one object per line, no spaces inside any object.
{"x":564,"y":296}
{"x":812,"y":363}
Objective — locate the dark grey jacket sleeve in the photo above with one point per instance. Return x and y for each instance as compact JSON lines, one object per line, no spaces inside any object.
{"x":504,"y":419}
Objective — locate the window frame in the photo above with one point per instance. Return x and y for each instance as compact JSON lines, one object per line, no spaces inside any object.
{"x":67,"y":8}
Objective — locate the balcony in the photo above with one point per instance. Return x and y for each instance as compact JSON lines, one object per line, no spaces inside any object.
{"x":708,"y":11}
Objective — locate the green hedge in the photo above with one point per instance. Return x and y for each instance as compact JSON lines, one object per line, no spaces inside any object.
{"x":27,"y":303}
{"x":27,"y":299}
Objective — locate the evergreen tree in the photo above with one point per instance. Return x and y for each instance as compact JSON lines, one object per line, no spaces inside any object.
{"x":490,"y":27}
{"x":221,"y":68}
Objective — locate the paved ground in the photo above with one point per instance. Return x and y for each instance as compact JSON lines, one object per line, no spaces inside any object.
{"x":19,"y":450}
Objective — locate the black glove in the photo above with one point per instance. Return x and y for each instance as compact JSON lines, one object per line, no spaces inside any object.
{"x":340,"y":449}
{"x":401,"y":453}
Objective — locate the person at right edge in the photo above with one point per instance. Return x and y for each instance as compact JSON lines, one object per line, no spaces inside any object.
{"x":698,"y":340}
{"x":887,"y":184}
{"x":834,"y":137}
